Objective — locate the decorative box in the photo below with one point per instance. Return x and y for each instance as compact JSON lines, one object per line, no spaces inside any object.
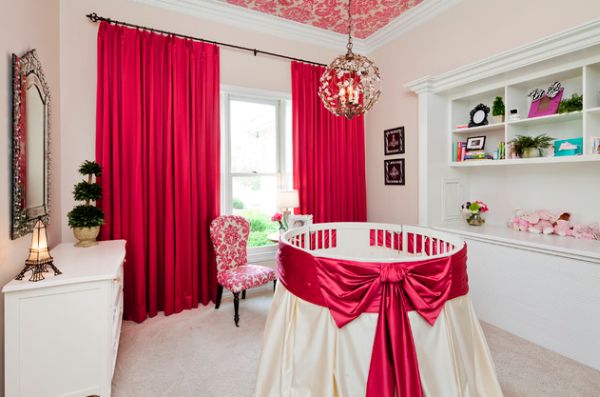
{"x":568,"y":147}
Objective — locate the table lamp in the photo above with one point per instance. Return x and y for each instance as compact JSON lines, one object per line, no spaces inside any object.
{"x":39,"y":255}
{"x":287,"y":199}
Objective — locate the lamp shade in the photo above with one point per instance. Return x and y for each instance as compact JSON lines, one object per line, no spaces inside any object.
{"x":38,"y":252}
{"x":288,"y":199}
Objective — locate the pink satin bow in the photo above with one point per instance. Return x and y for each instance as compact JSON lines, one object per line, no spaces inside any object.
{"x":349,"y":288}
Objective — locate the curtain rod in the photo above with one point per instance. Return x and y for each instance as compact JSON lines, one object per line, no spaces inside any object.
{"x":95,"y":18}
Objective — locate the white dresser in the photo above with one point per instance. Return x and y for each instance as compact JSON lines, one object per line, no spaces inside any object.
{"x":62,"y":333}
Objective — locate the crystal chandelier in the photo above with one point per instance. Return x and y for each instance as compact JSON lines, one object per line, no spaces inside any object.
{"x":350,"y":84}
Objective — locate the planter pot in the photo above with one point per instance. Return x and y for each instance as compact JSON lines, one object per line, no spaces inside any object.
{"x":477,"y":219}
{"x":531,"y":152}
{"x":86,"y":236}
{"x":499,"y":119}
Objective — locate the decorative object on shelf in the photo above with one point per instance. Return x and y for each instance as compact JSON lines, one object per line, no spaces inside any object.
{"x":514,"y":115}
{"x":350,"y":84}
{"x":86,"y":219}
{"x":573,"y":104}
{"x":528,"y":147}
{"x":287,"y":200}
{"x":498,"y":109}
{"x":278,"y":217}
{"x":394,"y":172}
{"x":476,"y":143}
{"x":30,"y":144}
{"x":595,"y":144}
{"x":479,"y":116}
{"x":39,"y":257}
{"x":394,"y":141}
{"x":474,"y":212}
{"x":568,"y":147}
{"x":297,"y":221}
{"x":544,"y":103}
{"x":546,"y":222}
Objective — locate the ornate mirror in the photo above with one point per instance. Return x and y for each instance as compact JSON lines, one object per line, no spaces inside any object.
{"x":30,"y":163}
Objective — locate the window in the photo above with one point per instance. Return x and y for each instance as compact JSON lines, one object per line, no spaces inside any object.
{"x":256,"y":158}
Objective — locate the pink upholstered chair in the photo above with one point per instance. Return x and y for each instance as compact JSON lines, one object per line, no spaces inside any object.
{"x":229,"y":235}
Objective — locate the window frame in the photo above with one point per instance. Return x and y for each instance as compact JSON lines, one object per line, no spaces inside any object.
{"x":281,"y":101}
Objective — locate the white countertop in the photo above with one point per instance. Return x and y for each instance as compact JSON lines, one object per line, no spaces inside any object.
{"x":100,"y":262}
{"x":570,"y":247}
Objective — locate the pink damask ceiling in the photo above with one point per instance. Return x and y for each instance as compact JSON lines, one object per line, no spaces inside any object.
{"x":368,"y":15}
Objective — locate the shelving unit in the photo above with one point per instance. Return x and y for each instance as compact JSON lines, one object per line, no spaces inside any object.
{"x":583,"y":79}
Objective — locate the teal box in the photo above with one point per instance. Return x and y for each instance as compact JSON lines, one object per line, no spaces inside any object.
{"x":568,"y":147}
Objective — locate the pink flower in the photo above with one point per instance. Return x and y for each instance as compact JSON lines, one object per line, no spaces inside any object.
{"x":277,"y":217}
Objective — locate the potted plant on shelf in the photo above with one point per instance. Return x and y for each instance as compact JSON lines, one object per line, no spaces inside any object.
{"x":474,"y":212}
{"x":528,"y":147}
{"x":86,"y":219}
{"x":498,"y":109}
{"x":573,"y":104}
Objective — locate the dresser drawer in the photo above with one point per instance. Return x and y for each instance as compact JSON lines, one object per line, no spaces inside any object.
{"x":117,"y":287}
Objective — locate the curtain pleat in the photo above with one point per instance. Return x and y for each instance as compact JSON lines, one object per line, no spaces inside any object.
{"x":328,"y":152}
{"x":157,"y":139}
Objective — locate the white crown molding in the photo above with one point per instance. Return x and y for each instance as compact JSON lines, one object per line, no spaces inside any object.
{"x":407,"y":21}
{"x":226,"y":13}
{"x":565,"y":42}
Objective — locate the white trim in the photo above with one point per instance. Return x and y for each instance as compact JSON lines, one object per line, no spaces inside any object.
{"x":254,"y":92}
{"x":407,"y":21}
{"x":266,"y":253}
{"x":226,"y":13}
{"x":565,"y":42}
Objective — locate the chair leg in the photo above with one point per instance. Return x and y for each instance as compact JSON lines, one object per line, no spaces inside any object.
{"x":236,"y":306}
{"x":219,"y":296}
{"x":274,"y":284}
{"x":244,"y":294}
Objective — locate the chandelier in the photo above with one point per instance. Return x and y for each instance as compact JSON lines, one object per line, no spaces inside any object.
{"x":350,"y":84}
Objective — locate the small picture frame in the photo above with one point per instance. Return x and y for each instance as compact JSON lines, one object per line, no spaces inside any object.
{"x":479,"y":116}
{"x":394,"y":172}
{"x":393,"y":140}
{"x":296,"y":221}
{"x":476,"y":143}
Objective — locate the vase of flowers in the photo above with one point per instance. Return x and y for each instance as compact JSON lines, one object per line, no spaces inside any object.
{"x":278,"y":217}
{"x":474,"y":212}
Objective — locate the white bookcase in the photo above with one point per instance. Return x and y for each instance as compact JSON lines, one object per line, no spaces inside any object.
{"x":514,"y":276}
{"x":514,"y":90}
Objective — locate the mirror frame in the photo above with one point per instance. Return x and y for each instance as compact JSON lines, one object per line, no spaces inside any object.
{"x":23,"y":219}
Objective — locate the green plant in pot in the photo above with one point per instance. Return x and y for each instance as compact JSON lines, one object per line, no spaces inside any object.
{"x":498,"y":109}
{"x":527,"y":146}
{"x":86,"y":219}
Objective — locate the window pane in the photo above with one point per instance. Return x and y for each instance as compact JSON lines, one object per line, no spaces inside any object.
{"x":253,"y":137}
{"x":254,"y":198}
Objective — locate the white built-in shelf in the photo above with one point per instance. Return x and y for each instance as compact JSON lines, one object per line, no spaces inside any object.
{"x":483,"y":128}
{"x":535,"y":160}
{"x":550,"y":119}
{"x":593,"y":110}
{"x":570,"y":247}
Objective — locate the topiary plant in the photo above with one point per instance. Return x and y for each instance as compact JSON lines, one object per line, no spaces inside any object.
{"x":498,"y":107}
{"x":87,"y":215}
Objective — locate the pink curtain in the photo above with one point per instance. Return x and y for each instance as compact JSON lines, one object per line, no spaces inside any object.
{"x":329,"y":154}
{"x":157,"y":139}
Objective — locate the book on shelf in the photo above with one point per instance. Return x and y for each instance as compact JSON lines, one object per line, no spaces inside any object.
{"x":460,"y":153}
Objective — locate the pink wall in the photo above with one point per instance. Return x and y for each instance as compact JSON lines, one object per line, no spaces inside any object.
{"x":470,"y":31}
{"x":78,"y":69}
{"x":26,"y":24}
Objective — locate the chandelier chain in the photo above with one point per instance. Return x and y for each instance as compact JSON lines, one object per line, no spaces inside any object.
{"x":349,"y":45}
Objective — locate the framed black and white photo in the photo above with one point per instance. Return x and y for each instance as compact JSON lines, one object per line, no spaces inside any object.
{"x":476,"y":143}
{"x":296,"y":221}
{"x":394,"y":141}
{"x":394,"y":172}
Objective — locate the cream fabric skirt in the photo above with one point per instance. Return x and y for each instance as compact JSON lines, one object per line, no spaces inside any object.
{"x":305,"y":354}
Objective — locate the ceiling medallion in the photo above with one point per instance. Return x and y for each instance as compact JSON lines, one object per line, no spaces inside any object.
{"x":350,"y":85}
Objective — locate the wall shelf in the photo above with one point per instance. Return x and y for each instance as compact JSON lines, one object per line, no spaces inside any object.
{"x":548,"y":120}
{"x":536,"y":160}
{"x":483,"y":128}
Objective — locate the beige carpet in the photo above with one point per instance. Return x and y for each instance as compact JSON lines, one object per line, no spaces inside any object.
{"x":200,"y":353}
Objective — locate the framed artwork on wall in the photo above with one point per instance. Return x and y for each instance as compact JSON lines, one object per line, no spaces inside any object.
{"x":394,"y":141}
{"x":394,"y":172}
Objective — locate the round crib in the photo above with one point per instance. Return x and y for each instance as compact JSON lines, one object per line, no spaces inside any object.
{"x":373,"y":309}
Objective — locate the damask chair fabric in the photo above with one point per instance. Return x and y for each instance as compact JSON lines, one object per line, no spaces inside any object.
{"x":229,"y":235}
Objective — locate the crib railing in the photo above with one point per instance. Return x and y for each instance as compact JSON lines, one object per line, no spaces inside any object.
{"x":347,"y":240}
